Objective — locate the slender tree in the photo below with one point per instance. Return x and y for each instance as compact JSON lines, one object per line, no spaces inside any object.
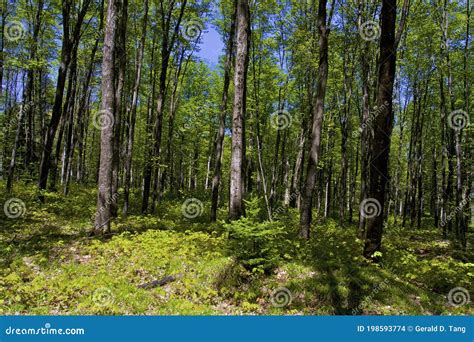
{"x":318,"y":114}
{"x":216,"y":180}
{"x":133,"y":113}
{"x":236,"y":207}
{"x":380,"y":145}
{"x":104,"y":197}
{"x":169,"y":36}
{"x":70,"y":39}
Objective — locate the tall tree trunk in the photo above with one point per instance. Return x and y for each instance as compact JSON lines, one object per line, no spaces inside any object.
{"x":397,"y":201}
{"x":166,"y":49}
{"x":295,"y":181}
{"x":68,"y":104}
{"x":104,"y":198}
{"x":450,"y":132}
{"x":168,"y":170}
{"x":216,"y":180}
{"x":133,"y":114}
{"x":364,"y":136}
{"x":31,"y":87}
{"x":67,"y":48}
{"x":261,"y":170}
{"x":444,"y":155}
{"x":85,"y":98}
{"x":380,"y":147}
{"x":3,"y":12}
{"x":238,"y":116}
{"x":69,"y":113}
{"x":148,"y":168}
{"x":121,"y":67}
{"x":318,"y":114}
{"x":259,"y":141}
{"x":11,"y":167}
{"x":344,"y":121}
{"x":461,"y":219}
{"x":353,"y":186}
{"x":434,"y":185}
{"x":58,"y":102}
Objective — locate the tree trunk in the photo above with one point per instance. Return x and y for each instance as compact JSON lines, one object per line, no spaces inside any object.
{"x":318,"y":114}
{"x":380,"y":147}
{"x":69,"y":112}
{"x":3,"y":12}
{"x":216,"y":180}
{"x":364,"y":137}
{"x":85,"y":98}
{"x":67,"y":48}
{"x":133,"y":114}
{"x":104,"y":198}
{"x":16,"y":144}
{"x":256,"y":87}
{"x":119,"y":108}
{"x":149,"y":150}
{"x":295,"y":181}
{"x":238,"y":115}
{"x":166,"y":49}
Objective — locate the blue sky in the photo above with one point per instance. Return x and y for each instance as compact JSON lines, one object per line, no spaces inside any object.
{"x":211,"y":47}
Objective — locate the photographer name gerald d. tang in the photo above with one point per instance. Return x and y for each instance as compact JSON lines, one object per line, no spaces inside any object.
{"x":440,"y":328}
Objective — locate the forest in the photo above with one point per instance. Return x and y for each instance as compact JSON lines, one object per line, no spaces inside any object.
{"x":236,"y":157}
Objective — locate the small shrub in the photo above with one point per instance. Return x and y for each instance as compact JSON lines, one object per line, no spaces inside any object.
{"x":258,"y":246}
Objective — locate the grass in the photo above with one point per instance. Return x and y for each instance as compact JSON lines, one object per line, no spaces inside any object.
{"x":49,"y":265}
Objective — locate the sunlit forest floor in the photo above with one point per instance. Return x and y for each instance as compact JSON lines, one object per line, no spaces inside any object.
{"x":49,"y":265}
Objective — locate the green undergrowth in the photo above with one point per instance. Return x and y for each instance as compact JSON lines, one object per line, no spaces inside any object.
{"x":49,"y":265}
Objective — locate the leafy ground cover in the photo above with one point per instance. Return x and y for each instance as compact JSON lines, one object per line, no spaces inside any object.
{"x":49,"y":265}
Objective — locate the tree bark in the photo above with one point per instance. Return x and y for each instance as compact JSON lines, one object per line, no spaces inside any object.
{"x":238,"y":116}
{"x":67,"y":48}
{"x":104,"y":198}
{"x":121,"y":67}
{"x":318,"y":114}
{"x":4,"y":14}
{"x":167,"y":46}
{"x":133,"y":114}
{"x":380,"y":147}
{"x":150,"y":113}
{"x":216,"y":180}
